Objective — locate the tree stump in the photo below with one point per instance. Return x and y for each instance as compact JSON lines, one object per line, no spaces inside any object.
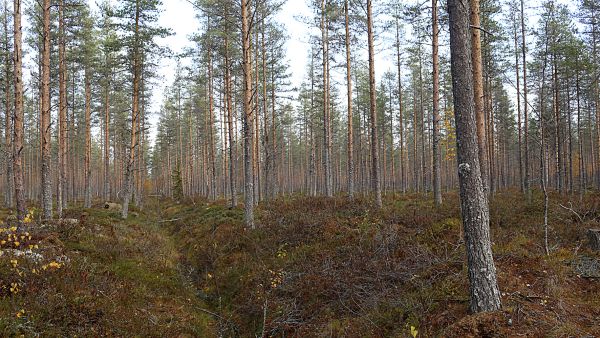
{"x":594,"y":239}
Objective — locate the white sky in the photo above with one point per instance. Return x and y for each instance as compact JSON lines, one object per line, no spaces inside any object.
{"x":180,"y":16}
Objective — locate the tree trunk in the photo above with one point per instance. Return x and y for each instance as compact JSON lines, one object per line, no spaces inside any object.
{"x":484,"y":293}
{"x":247,"y":118}
{"x":349,"y":91}
{"x":8,"y":127}
{"x":326,"y":108}
{"x":45,"y":117}
{"x":127,"y":188}
{"x":580,"y":136}
{"x":525,"y":105}
{"x":232,"y":145}
{"x":375,"y":183}
{"x":478,"y":92}
{"x":269,"y":156}
{"x":107,"y":140}
{"x":519,"y":124}
{"x":62,"y":130}
{"x":437,"y":183}
{"x":210,"y":127}
{"x":18,"y":117}
{"x":400,"y":110}
{"x":88,"y":141}
{"x":558,"y":142}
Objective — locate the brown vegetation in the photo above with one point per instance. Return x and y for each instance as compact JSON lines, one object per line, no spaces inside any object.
{"x":326,"y":267}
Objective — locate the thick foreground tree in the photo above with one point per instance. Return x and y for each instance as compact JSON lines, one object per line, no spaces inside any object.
{"x":135,"y":111}
{"x":484,"y":293}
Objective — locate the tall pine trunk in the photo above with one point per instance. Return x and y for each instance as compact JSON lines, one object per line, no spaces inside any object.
{"x":349,"y":91}
{"x":437,"y":182}
{"x":8,"y":127}
{"x":232,"y":144}
{"x":45,"y":117}
{"x":128,"y":184}
{"x":107,"y":140}
{"x":483,"y":287}
{"x":62,"y":105}
{"x":88,"y":142}
{"x":210,"y":127}
{"x":400,"y":109}
{"x":478,"y":92}
{"x":247,"y":118}
{"x":519,"y":111}
{"x":18,"y":117}
{"x":375,"y":182}
{"x":526,"y":182}
{"x":326,"y":106}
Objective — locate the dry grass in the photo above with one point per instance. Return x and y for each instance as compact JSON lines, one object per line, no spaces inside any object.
{"x":327,"y":267}
{"x":316,"y":267}
{"x":114,"y":278}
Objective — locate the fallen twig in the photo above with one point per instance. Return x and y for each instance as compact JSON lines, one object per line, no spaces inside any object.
{"x":170,"y":220}
{"x":571,"y":210}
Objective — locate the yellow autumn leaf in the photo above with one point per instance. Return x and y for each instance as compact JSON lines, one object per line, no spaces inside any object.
{"x":413,"y":331}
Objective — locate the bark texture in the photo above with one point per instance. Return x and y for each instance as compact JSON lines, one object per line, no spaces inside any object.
{"x":349,"y":88}
{"x":437,"y":181}
{"x":128,"y":185}
{"x":247,"y":119}
{"x":483,"y":287}
{"x":478,"y":92}
{"x":375,"y":181}
{"x":62,"y":105}
{"x":18,"y":116}
{"x":87,"y":203}
{"x":45,"y":117}
{"x":8,"y":131}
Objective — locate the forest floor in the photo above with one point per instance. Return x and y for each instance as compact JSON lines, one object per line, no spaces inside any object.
{"x":315,"y":267}
{"x":99,"y":277}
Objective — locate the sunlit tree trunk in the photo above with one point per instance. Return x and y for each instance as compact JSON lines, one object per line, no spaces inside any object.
{"x":478,"y":92}
{"x":18,"y":116}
